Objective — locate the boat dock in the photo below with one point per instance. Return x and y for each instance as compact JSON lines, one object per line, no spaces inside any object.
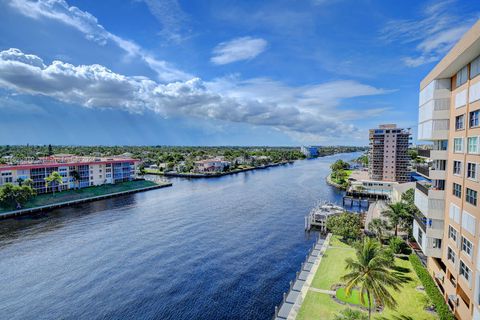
{"x":318,"y":216}
{"x":293,"y":298}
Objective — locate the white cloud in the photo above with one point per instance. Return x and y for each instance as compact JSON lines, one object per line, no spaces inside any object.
{"x":171,"y":17}
{"x":238,"y":49}
{"x":435,"y":32}
{"x":307,"y":110}
{"x":84,"y":22}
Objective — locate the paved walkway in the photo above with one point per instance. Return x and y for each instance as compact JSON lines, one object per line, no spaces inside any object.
{"x":330,"y":292}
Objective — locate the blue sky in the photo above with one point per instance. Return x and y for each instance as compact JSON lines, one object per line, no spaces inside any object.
{"x":168,"y":72}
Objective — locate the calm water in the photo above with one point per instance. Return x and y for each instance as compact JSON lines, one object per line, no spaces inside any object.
{"x":203,"y":249}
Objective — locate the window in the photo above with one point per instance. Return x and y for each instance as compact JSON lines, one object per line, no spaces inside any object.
{"x":472,"y":170}
{"x":464,"y":271}
{"x":457,"y":190}
{"x":437,"y":243}
{"x":458,"y":145}
{"x":451,"y":255}
{"x":460,"y":122}
{"x":468,"y":222}
{"x":472,"y":145}
{"x":462,"y":76}
{"x":474,"y":121}
{"x":475,"y":68}
{"x":467,"y":246}
{"x":452,"y":233}
{"x":454,"y":213}
{"x":471,"y":196}
{"x":457,"y":167}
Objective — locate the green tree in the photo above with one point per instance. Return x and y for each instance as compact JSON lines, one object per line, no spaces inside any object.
{"x":396,"y":213}
{"x":397,"y":245}
{"x":50,"y":150}
{"x":76,"y":177}
{"x":20,"y":181}
{"x":54,"y":180}
{"x":28,"y":182}
{"x":347,"y":225}
{"x":379,"y":227}
{"x":370,"y":272}
{"x":350,"y":314}
{"x":339,"y":165}
{"x":12,"y":196}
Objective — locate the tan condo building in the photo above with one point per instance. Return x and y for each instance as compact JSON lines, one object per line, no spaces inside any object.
{"x":448,"y":227}
{"x":388,"y":158}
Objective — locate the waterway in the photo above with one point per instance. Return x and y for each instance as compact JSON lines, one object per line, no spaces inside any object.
{"x":223,"y":248}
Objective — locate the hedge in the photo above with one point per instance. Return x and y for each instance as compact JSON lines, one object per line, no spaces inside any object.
{"x":431,"y":288}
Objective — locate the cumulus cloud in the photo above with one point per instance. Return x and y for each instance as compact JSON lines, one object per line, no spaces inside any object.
{"x":435,"y":32}
{"x":290,"y":109}
{"x":171,"y":17}
{"x":86,"y":23}
{"x":238,"y":49}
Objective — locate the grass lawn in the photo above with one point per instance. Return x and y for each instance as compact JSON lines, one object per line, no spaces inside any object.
{"x":354,"y":297}
{"x":68,"y":195}
{"x":332,"y":268}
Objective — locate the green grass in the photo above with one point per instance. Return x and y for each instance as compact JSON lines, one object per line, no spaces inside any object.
{"x":332,"y":268}
{"x":68,"y":195}
{"x":354,"y":297}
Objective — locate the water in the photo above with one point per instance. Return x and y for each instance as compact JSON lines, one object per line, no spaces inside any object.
{"x":221,"y":248}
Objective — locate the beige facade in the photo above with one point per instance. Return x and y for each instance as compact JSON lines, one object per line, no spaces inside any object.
{"x":388,"y":158}
{"x":449,"y":117}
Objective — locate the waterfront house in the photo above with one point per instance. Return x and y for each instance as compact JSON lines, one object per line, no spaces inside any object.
{"x":211,"y":165}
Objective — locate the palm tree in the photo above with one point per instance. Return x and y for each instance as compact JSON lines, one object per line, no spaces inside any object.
{"x":379,"y":227}
{"x":396,"y":214}
{"x":370,"y":271}
{"x":28,"y":182}
{"x":53,"y":180}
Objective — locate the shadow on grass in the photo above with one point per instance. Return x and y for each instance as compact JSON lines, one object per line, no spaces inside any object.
{"x":400,"y":269}
{"x":400,"y":317}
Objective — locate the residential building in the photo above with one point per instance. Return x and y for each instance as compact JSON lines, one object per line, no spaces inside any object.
{"x":309,"y":151}
{"x":211,"y":165}
{"x":92,"y":171}
{"x":388,"y":158}
{"x":447,"y":229}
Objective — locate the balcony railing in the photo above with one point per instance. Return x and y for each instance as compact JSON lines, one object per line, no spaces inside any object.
{"x":422,"y":221}
{"x":425,"y":153}
{"x":423,"y":170}
{"x":423,"y":188}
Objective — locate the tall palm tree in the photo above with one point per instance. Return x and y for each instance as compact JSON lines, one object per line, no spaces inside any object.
{"x":76,"y":177}
{"x":396,"y":214}
{"x":54,"y":180}
{"x":370,"y":271}
{"x":379,"y":227}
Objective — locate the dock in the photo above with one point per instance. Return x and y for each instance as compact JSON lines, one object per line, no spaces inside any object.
{"x":293,"y":298}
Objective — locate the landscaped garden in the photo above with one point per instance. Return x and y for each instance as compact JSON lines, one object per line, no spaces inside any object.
{"x":69,"y":195}
{"x":411,"y":299}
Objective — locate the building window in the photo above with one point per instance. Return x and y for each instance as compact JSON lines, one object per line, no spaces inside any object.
{"x":471,"y":196}
{"x":457,"y":190}
{"x":437,"y":243}
{"x":472,"y":170}
{"x":474,"y":118}
{"x":475,"y":68}
{"x":472,"y":145}
{"x":464,"y":271}
{"x":460,"y":122}
{"x":467,"y":246}
{"x":458,"y":145}
{"x":452,"y":233}
{"x":462,"y":76}
{"x":457,"y":167}
{"x":451,"y":255}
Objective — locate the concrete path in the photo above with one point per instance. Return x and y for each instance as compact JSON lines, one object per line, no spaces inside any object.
{"x":330,"y":292}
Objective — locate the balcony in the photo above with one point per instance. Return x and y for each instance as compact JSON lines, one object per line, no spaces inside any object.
{"x":424,"y":153}
{"x":430,"y":207}
{"x":431,"y":191}
{"x":423,"y":188}
{"x":424,"y":170}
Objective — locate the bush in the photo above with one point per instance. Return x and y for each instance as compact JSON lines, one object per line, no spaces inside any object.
{"x":431,"y":289}
{"x":397,"y":245}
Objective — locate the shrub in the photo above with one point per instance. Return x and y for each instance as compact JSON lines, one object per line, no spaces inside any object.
{"x":431,"y":289}
{"x":397,"y":245}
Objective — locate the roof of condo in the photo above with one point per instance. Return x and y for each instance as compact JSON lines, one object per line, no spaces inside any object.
{"x":62,"y":160}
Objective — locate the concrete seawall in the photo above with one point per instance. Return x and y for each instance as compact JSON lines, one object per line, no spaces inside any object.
{"x":16,"y":213}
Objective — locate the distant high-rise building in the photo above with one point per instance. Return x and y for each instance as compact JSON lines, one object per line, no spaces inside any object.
{"x":309,"y":151}
{"x":447,"y":226}
{"x":388,"y":158}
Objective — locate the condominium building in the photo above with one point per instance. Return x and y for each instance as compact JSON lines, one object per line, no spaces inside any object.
{"x":309,"y":151}
{"x":76,"y":172}
{"x":447,"y":229}
{"x":388,"y":158}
